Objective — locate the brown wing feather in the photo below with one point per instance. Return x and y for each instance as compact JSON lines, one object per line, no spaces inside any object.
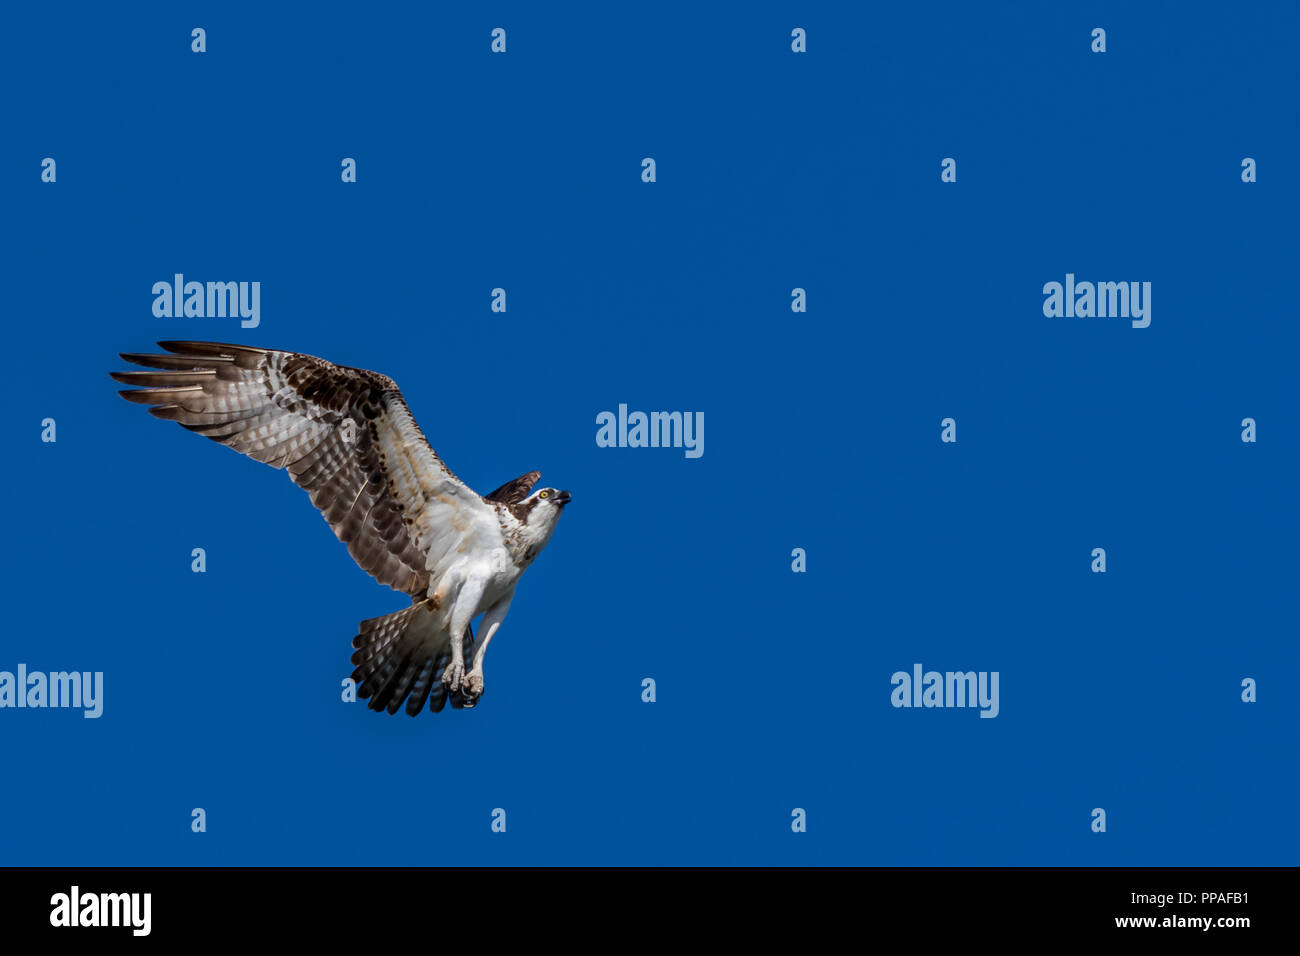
{"x":515,"y":491}
{"x":292,"y":411}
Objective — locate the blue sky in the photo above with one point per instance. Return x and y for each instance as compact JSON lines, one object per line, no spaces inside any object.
{"x":775,"y":170}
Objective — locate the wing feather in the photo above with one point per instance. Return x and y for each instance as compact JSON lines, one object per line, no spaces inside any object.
{"x":378,"y":482}
{"x":513,"y":492}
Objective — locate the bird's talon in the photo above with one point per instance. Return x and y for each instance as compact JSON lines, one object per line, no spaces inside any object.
{"x":453,"y":677}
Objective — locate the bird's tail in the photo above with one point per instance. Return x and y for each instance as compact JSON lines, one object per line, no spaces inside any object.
{"x":401,"y":657}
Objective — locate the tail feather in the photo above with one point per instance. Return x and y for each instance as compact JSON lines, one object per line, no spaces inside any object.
{"x":400,"y":658}
{"x":374,"y":643}
{"x":438,"y":696}
{"x":420,"y":691}
{"x":393,"y":680}
{"x":387,"y":649}
{"x":398,"y":686}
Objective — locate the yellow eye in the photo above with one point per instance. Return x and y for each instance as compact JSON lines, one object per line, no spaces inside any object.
{"x":544,"y":494}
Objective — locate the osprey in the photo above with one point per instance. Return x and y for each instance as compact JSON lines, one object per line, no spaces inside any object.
{"x":348,"y":439}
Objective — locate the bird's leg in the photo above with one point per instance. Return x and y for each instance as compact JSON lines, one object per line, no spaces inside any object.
{"x":466,"y":604}
{"x":454,"y":673}
{"x":487,"y":629}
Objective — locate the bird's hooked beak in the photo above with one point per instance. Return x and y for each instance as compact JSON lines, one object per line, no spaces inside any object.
{"x":562,"y":498}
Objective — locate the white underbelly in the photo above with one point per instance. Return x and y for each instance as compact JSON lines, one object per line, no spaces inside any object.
{"x":500,"y":584}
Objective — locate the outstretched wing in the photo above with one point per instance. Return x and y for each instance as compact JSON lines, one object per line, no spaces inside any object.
{"x":346,"y":436}
{"x":513,"y":492}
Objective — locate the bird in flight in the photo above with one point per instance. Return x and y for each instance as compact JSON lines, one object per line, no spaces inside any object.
{"x":349,"y":440}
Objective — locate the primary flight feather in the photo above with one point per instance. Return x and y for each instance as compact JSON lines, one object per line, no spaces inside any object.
{"x":347,"y":437}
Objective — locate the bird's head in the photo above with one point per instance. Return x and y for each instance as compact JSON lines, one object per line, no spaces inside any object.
{"x":540,"y":513}
{"x":537,"y":509}
{"x":545,"y":505}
